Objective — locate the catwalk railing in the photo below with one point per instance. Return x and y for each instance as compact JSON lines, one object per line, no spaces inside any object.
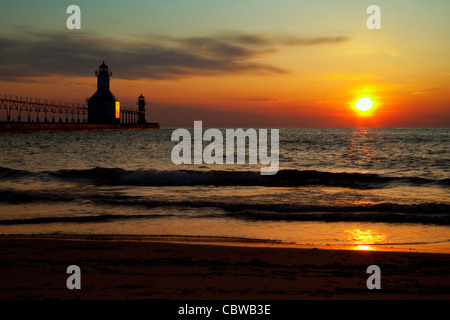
{"x":53,"y":111}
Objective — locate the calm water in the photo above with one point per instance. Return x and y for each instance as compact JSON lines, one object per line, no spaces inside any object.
{"x":336,"y":186}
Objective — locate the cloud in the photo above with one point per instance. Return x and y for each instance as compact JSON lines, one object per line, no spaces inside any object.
{"x":40,"y":54}
{"x":259,"y":40}
{"x":395,"y":53}
{"x":263,"y":99}
{"x":348,"y":77}
{"x":425,"y":91}
{"x":314,"y":41}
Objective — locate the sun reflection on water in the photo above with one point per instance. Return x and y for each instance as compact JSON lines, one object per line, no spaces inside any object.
{"x":364,"y":247}
{"x":364,"y":240}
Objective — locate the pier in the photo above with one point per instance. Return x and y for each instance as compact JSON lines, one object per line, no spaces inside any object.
{"x":22,"y":114}
{"x":54,"y":111}
{"x":103,"y":112}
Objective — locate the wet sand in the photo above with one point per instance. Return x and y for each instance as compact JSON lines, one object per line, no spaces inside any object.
{"x":34,"y":267}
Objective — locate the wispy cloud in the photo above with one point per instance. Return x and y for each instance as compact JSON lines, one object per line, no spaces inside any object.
{"x":33,"y":54}
{"x":425,"y":90}
{"x":348,"y":77}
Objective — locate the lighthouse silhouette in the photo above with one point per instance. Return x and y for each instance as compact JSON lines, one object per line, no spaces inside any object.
{"x":103,"y":106}
{"x":141,"y":104}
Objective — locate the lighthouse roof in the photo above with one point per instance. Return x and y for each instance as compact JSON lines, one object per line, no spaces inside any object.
{"x":103,"y":95}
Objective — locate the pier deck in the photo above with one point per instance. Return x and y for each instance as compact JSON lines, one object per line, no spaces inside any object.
{"x":23,"y":127}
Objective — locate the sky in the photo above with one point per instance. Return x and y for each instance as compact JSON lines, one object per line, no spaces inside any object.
{"x":246,"y":63}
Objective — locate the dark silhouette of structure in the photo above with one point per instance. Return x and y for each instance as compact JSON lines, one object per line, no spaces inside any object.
{"x":103,"y":112}
{"x":141,"y":104}
{"x":103,"y":106}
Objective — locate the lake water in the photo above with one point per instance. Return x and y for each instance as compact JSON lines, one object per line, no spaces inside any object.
{"x":369,"y":188}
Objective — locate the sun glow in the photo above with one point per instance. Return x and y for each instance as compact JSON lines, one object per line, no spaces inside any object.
{"x":365,"y":240}
{"x":364,"y":104}
{"x":364,"y":247}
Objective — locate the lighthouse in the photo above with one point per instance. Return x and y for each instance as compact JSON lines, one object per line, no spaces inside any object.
{"x":103,"y":106}
{"x":103,"y":76}
{"x":141,"y":104}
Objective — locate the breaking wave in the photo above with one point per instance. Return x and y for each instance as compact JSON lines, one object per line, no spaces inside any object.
{"x":426,"y":213}
{"x":284,"y":178}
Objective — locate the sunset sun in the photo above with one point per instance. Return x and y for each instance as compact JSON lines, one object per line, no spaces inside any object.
{"x":364,"y":104}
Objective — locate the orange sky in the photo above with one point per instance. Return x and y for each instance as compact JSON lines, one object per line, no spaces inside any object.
{"x":307,"y":70}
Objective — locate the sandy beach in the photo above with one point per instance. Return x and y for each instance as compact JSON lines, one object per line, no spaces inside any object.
{"x":34,"y":267}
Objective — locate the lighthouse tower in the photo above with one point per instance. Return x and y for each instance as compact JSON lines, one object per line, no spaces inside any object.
{"x":103,"y":76}
{"x":141,"y":104}
{"x":103,"y":106}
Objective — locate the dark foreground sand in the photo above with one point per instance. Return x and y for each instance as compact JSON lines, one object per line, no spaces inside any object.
{"x":128,"y":268}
